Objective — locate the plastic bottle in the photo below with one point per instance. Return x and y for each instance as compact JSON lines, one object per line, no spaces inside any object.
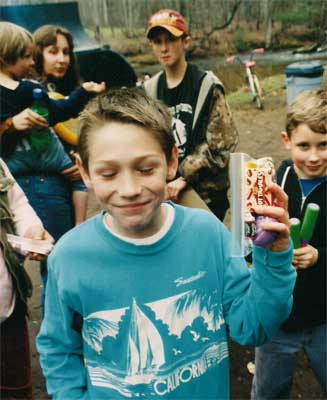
{"x":40,"y":137}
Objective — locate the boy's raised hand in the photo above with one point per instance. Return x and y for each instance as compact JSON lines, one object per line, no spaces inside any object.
{"x":94,"y":87}
{"x":279,"y":211}
{"x":27,"y":119}
{"x":304,"y":257}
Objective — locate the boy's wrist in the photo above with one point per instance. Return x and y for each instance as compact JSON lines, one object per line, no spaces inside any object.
{"x":275,"y":259}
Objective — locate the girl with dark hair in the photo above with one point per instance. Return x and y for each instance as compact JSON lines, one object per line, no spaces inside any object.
{"x":55,"y":61}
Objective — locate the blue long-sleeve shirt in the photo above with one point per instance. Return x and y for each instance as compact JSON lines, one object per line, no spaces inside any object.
{"x":154,"y":316}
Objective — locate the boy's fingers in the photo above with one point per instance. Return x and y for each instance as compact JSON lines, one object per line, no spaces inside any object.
{"x":278,"y":227}
{"x":279,"y":196}
{"x":300,"y":251}
{"x":278,"y":213}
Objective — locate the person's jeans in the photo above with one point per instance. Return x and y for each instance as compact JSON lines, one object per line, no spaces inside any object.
{"x":50,"y":196}
{"x":275,"y":361}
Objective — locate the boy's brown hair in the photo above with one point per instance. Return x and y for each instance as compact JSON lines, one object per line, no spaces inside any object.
{"x":310,"y":108}
{"x":129,"y":106}
{"x":14,"y":43}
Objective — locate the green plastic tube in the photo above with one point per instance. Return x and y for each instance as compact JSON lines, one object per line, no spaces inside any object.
{"x":309,"y":222}
{"x":295,"y":229}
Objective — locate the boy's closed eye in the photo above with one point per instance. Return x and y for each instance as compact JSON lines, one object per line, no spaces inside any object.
{"x":107,"y":174}
{"x":146,"y":170}
{"x":111,"y":174}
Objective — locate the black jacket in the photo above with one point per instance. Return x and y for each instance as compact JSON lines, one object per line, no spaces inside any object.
{"x":309,"y":307}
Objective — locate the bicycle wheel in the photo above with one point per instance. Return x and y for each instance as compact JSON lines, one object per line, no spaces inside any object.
{"x":258,"y":92}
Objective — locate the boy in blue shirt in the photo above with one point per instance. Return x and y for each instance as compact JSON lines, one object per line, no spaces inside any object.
{"x":304,"y":179}
{"x":152,"y":282}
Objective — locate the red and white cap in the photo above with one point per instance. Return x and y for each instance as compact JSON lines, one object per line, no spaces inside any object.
{"x":171,"y":20}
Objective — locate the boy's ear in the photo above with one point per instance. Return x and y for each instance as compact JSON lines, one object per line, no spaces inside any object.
{"x":84,"y":174}
{"x":285,"y":140}
{"x":172,"y":164}
{"x":187,"y":42}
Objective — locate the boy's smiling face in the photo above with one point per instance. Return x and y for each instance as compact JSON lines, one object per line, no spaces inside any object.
{"x":128,"y":172}
{"x":308,"y":151}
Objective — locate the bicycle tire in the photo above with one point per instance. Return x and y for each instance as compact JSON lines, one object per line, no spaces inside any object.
{"x":258,"y":92}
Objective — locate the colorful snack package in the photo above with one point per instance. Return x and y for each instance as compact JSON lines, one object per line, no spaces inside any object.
{"x":250,"y":180}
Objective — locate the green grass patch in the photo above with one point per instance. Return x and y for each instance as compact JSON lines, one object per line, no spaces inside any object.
{"x":271,"y":85}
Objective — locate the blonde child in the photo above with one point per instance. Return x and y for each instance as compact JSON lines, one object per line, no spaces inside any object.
{"x":304,"y":179}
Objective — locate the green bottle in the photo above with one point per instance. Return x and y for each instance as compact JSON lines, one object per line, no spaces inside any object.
{"x":40,"y":138}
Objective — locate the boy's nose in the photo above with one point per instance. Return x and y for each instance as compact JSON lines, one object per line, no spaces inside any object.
{"x":313,"y":155}
{"x":163,"y":46}
{"x":129,"y":186}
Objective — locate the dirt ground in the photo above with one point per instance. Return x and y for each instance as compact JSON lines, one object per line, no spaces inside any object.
{"x":259,"y":136}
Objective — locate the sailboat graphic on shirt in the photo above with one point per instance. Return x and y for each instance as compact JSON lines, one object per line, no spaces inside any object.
{"x":145,"y":348}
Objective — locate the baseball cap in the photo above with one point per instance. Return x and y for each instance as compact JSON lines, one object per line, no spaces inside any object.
{"x":171,"y":20}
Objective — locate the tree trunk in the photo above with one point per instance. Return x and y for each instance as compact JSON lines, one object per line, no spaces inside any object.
{"x":267,"y":10}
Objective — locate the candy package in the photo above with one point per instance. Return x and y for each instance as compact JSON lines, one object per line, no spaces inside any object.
{"x":250,"y":179}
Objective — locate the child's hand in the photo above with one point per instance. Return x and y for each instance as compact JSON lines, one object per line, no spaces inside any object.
{"x":71,"y":173}
{"x":94,"y":87}
{"x":174,"y":188}
{"x":280,"y":213}
{"x":38,"y":232}
{"x":27,"y":119}
{"x":304,"y":257}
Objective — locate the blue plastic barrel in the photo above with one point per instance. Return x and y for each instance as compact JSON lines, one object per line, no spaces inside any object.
{"x":302,"y":76}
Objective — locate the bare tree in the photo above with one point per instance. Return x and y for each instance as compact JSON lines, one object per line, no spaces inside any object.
{"x":268,"y":10}
{"x":227,"y":22}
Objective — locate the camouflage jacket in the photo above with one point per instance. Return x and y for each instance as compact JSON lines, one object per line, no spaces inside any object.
{"x":206,"y":165}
